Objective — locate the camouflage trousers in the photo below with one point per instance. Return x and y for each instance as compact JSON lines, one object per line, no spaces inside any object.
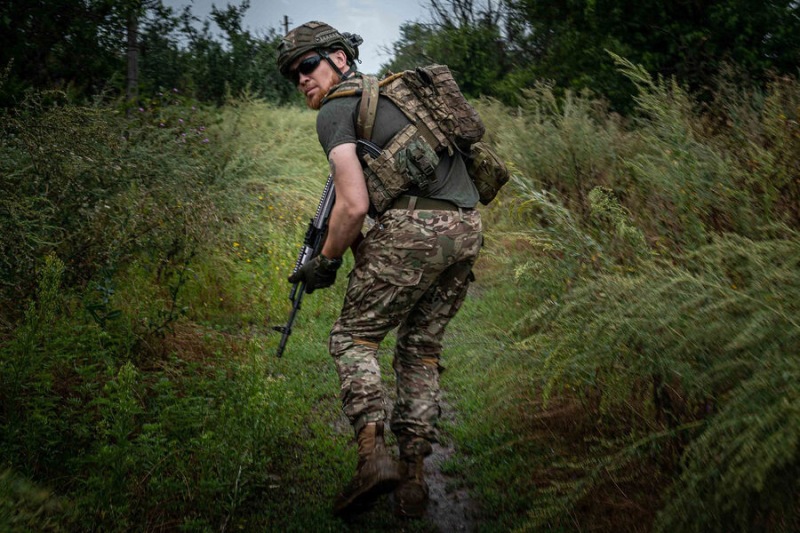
{"x":412,"y":270}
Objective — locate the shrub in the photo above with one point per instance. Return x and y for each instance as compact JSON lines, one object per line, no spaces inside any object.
{"x":99,"y":191}
{"x":665,"y":253}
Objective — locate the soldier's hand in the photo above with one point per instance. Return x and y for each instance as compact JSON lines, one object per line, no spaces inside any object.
{"x":318,"y":273}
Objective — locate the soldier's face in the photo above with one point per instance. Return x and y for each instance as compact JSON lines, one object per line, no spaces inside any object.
{"x":315,"y":84}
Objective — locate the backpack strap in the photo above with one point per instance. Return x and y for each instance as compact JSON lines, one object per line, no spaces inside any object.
{"x":368,"y":88}
{"x":349,"y":87}
{"x":369,"y":107}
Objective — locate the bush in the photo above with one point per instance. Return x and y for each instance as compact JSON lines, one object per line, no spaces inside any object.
{"x":665,"y":254}
{"x":101,"y":191}
{"x":135,"y":384}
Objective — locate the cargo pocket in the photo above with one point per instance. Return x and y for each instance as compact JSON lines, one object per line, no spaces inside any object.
{"x":418,"y":162}
{"x":413,"y":241}
{"x":400,"y":277}
{"x":356,"y":288}
{"x":390,"y":290}
{"x":351,"y":280}
{"x":405,"y":161}
{"x":453,"y":291}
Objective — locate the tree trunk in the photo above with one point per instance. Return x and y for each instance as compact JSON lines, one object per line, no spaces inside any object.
{"x":132,"y":85}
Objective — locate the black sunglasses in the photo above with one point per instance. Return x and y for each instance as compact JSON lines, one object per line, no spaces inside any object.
{"x":305,"y":67}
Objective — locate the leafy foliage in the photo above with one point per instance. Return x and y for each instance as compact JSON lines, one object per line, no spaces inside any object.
{"x":129,"y":423}
{"x":630,"y":349}
{"x":75,"y":47}
{"x":652,"y":365}
{"x":501,"y":51}
{"x":92,"y":188}
{"x":209,"y":68}
{"x":474,"y":54}
{"x":64,"y":44}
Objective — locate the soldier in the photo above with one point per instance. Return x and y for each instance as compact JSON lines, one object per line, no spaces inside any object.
{"x":411,"y":270}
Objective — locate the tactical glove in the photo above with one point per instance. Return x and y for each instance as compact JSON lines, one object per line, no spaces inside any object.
{"x":318,"y":273}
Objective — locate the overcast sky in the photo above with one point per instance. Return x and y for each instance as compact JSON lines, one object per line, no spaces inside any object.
{"x":376,"y":21}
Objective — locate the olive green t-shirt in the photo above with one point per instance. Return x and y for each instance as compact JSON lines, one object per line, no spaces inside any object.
{"x":336,"y":124}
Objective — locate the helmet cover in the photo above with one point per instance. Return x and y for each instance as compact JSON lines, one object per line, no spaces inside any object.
{"x":314,"y":35}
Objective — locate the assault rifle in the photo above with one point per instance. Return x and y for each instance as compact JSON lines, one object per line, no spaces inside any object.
{"x":312,"y":246}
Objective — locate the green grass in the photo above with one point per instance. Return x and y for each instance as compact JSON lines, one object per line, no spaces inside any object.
{"x":194,"y":426}
{"x":627,"y":340}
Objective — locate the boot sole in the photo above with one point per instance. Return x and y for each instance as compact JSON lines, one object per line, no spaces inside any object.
{"x":410,"y":510}
{"x":387,"y":480}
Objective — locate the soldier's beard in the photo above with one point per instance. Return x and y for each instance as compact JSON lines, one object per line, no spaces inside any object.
{"x":315,"y":100}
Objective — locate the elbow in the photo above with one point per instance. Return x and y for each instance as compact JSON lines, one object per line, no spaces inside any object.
{"x":357,"y":210}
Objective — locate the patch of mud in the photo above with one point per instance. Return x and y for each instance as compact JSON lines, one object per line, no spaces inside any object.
{"x":451,"y":507}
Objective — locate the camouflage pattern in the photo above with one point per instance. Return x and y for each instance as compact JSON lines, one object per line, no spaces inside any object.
{"x":430,"y":99}
{"x":418,"y":161}
{"x":488,"y":171}
{"x":440,"y":119}
{"x":313,"y":35}
{"x":412,"y":270}
{"x":407,"y":160}
{"x":467,"y":126}
{"x":416,"y":109}
{"x":398,"y":91}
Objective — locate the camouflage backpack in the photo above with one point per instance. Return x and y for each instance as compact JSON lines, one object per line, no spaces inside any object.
{"x":441,"y":119}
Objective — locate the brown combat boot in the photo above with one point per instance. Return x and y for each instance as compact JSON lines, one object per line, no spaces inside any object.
{"x":411,"y":496}
{"x":376,"y":472}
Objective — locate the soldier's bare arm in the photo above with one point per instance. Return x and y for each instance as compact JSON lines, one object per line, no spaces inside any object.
{"x":352,"y":201}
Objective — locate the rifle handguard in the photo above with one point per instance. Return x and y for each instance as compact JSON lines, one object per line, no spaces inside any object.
{"x":310,"y":251}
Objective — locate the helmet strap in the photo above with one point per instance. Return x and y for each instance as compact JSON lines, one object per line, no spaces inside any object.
{"x":342,"y":76}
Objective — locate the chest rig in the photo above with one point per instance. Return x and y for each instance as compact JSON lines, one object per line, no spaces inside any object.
{"x":441,"y":121}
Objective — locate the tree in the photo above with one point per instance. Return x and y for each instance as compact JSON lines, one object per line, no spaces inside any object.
{"x":502,"y":50}
{"x":566,"y":40}
{"x":123,"y":46}
{"x":465,"y":37}
{"x":64,"y":44}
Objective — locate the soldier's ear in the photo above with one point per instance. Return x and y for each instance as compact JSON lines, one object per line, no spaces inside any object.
{"x":340,"y":58}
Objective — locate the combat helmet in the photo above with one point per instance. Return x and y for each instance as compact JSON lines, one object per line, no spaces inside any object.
{"x":319,"y":36}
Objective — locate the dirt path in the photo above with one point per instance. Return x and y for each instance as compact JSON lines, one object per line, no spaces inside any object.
{"x":451,"y":508}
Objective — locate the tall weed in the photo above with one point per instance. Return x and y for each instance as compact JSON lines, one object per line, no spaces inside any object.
{"x":664,"y":253}
{"x":139,"y":378}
